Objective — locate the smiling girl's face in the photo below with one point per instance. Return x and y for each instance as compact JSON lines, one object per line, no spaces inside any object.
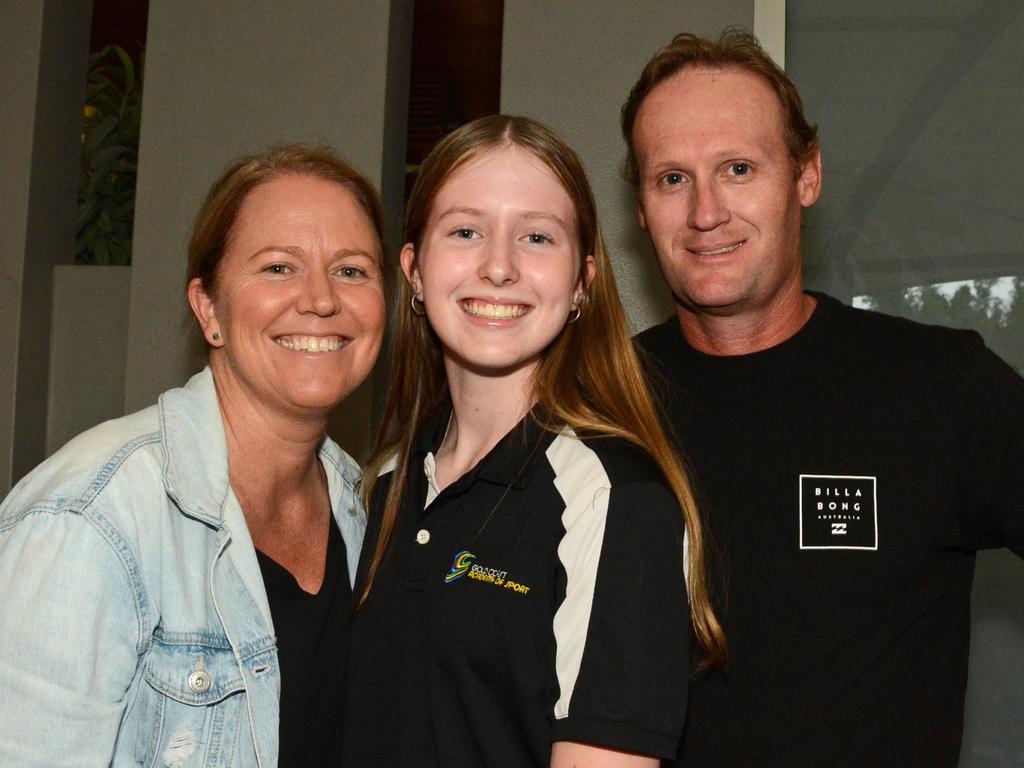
{"x":498,"y":266}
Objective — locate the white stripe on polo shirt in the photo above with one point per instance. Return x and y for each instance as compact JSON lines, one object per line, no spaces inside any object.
{"x":584,"y":487}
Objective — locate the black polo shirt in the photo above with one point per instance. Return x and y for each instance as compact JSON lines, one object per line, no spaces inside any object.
{"x":539,"y":598}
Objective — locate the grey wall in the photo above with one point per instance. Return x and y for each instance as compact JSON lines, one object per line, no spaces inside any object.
{"x":45,"y":46}
{"x":573,"y":70}
{"x":227,"y":78}
{"x":19,"y":37}
{"x":89,"y":328}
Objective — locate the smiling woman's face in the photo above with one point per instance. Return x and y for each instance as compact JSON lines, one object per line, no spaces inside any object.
{"x":298,"y":310}
{"x":498,"y":266}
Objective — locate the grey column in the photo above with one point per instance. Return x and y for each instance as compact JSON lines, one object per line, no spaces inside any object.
{"x":571,"y":66}
{"x":45,"y":44}
{"x":227,"y":78}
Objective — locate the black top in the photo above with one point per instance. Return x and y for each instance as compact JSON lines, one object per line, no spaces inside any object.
{"x":312,"y":646}
{"x":540,"y":597}
{"x":848,"y":475}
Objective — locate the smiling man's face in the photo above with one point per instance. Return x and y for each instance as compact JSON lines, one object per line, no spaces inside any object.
{"x":719,"y":193}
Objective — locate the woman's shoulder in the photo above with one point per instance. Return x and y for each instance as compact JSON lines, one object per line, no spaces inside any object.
{"x":612,"y":460}
{"x":89,"y":465}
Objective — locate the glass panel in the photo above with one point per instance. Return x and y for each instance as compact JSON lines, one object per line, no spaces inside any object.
{"x":994,"y":307}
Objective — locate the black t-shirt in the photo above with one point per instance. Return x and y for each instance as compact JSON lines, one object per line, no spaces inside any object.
{"x":848,"y":476}
{"x":312,"y":646}
{"x":540,"y":597}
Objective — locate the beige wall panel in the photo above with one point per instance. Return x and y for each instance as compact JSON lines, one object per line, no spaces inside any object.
{"x":231,"y":77}
{"x":87,"y":349}
{"x":572,"y":65}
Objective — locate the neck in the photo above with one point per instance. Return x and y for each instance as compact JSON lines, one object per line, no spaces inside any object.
{"x":484,"y":409}
{"x":743,"y":332}
{"x":272,"y":456}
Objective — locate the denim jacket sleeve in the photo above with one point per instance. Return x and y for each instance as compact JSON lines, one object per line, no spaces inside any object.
{"x":69,"y":639}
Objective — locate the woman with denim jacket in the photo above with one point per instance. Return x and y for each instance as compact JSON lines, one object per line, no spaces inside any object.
{"x":176,"y":583}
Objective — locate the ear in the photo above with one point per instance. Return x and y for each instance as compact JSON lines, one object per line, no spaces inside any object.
{"x":808,"y":183}
{"x":410,"y":269}
{"x":589,"y":273}
{"x":204,"y":310}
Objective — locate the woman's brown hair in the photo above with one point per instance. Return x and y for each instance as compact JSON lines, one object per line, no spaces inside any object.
{"x":211,"y":232}
{"x":606,"y":395}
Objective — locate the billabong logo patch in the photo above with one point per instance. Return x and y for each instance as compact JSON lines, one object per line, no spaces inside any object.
{"x":838,"y":512}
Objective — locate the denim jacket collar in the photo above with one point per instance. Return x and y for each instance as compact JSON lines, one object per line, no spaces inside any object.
{"x":191,"y":426}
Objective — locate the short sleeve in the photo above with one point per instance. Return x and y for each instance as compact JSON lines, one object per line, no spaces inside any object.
{"x":69,"y":632}
{"x":991,"y":481}
{"x":622,"y":631}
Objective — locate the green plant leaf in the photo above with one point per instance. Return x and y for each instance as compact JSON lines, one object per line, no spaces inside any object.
{"x":127,"y":68}
{"x":109,"y":158}
{"x":96,"y":132}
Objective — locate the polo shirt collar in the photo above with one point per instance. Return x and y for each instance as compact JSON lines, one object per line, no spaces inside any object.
{"x":511,"y":462}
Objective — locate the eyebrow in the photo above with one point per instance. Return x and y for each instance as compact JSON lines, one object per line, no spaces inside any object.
{"x":296,"y":251}
{"x":545,"y":215}
{"x":467,"y":211}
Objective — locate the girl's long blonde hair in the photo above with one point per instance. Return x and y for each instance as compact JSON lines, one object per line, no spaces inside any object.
{"x":589,"y":377}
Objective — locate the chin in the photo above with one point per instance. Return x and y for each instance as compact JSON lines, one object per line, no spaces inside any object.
{"x":496,"y":364}
{"x":321,"y":399}
{"x":712,"y":295}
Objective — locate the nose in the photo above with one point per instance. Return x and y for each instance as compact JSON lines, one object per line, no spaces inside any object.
{"x":318,"y":294}
{"x":707,"y":208}
{"x":498,"y":265}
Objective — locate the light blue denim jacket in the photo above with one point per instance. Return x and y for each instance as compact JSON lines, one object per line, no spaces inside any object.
{"x":134,"y":626}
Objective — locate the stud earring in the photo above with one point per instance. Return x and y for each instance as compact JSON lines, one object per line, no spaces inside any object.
{"x":216,"y":336}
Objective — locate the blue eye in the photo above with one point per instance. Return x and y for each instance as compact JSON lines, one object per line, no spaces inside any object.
{"x":465,"y":233}
{"x":536,"y":238}
{"x":352,"y":273}
{"x":277,"y":269}
{"x":673,"y":178}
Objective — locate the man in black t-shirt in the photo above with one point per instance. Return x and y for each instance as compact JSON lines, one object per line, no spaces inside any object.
{"x":849,"y":464}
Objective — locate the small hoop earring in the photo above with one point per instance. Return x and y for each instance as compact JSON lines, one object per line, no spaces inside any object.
{"x":573,"y":318}
{"x":216,"y":336}
{"x":419,"y":309}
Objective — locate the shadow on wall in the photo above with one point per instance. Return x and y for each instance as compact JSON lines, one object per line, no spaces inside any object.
{"x":645,"y":297}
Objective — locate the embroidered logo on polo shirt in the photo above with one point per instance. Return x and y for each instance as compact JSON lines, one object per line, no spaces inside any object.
{"x":465,"y":563}
{"x":460,"y":565}
{"x":838,"y":512}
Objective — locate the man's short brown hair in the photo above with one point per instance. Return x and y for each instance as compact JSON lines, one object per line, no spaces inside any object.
{"x":736,"y":49}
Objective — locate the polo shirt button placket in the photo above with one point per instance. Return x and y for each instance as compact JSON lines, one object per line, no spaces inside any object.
{"x":422,"y":536}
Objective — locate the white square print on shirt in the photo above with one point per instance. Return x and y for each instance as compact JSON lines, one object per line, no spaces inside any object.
{"x":838,"y":512}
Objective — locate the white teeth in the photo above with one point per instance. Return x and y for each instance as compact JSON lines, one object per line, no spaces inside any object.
{"x":717,"y":251}
{"x":311,"y":343}
{"x":493,"y":311}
